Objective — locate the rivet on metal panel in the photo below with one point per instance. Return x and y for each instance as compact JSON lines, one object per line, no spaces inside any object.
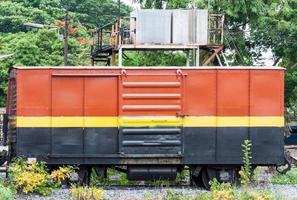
{"x":124,"y":72}
{"x":180,"y":72}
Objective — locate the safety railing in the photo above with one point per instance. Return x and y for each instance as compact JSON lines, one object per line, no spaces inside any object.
{"x":215,"y":29}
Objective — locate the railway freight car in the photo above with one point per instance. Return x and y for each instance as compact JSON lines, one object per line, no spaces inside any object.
{"x":148,"y":122}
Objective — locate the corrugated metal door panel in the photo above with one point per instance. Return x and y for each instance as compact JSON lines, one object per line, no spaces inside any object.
{"x":151,"y":108}
{"x":144,"y":95}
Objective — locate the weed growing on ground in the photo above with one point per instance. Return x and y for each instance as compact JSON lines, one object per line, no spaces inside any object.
{"x":148,"y":196}
{"x":171,"y":195}
{"x":245,"y":172}
{"x":33,"y":177}
{"x":256,"y":195}
{"x":221,"y":191}
{"x":282,"y":179}
{"x":86,"y":193}
{"x":114,"y":177}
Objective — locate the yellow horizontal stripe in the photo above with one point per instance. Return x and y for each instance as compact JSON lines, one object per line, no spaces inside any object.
{"x":67,"y":121}
{"x":151,"y":121}
{"x":212,"y":121}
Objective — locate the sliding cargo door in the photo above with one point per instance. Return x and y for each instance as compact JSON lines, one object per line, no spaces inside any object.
{"x":150,"y":113}
{"x":84,"y":116}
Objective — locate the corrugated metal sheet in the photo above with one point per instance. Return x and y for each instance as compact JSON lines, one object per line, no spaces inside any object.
{"x":201,"y":26}
{"x":170,"y":26}
{"x":181,"y":27}
{"x":153,"y":26}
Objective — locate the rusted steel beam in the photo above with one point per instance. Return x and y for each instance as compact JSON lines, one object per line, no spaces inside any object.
{"x":216,"y":52}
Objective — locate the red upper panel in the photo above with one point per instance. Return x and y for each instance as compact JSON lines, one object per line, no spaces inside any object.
{"x":112,"y":92}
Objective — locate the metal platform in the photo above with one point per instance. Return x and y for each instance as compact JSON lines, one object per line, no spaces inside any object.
{"x":127,"y":35}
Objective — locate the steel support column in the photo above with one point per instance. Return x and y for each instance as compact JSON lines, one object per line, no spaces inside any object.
{"x":120,"y":57}
{"x":197,"y":56}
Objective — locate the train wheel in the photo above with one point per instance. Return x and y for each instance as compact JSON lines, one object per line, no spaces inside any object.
{"x":84,"y":175}
{"x":198,"y":180}
{"x":206,"y":177}
{"x":222,"y":175}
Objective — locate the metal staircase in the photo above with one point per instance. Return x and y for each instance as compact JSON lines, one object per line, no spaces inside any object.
{"x":102,"y":48}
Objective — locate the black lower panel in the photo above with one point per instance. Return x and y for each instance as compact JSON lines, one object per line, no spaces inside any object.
{"x":223,"y":145}
{"x":69,"y":145}
{"x":198,"y":145}
{"x":33,"y":141}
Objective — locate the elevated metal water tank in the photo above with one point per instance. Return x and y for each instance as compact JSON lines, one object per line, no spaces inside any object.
{"x":170,"y":26}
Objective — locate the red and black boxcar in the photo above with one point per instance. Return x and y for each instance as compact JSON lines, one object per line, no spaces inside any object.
{"x":153,"y":121}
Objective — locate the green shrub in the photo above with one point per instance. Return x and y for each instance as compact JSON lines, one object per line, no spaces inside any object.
{"x":221,"y":191}
{"x":282,"y":179}
{"x":6,"y":193}
{"x":122,"y":178}
{"x":33,"y":177}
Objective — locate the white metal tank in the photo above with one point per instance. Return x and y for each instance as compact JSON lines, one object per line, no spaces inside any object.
{"x":170,"y":26}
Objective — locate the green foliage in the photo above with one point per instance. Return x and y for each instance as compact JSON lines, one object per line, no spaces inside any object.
{"x":245,"y":172}
{"x":14,"y":14}
{"x":158,"y":58}
{"x":172,"y":195}
{"x":96,"y":13}
{"x":224,"y":191}
{"x":114,"y":177}
{"x":289,"y":178}
{"x":6,"y":192}
{"x":257,"y":195}
{"x":148,"y":196}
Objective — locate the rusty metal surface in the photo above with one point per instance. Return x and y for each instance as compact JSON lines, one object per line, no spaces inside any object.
{"x":2,"y":111}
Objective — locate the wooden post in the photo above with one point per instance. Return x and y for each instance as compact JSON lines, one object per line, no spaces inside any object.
{"x":112,"y":58}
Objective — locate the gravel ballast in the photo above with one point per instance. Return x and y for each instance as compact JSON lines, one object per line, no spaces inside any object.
{"x":128,"y":193}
